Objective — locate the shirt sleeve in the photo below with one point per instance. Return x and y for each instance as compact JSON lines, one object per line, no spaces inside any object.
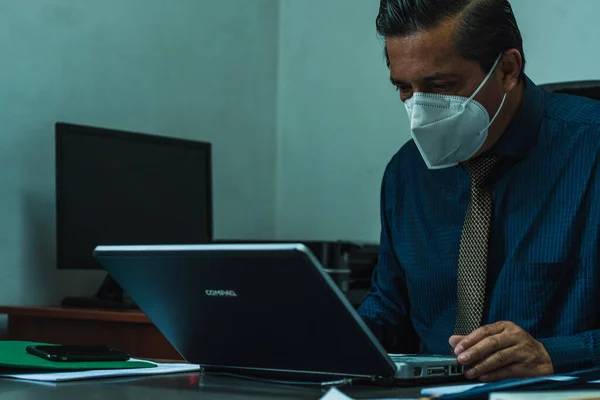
{"x":574,"y":353}
{"x":385,"y":309}
{"x":581,"y":351}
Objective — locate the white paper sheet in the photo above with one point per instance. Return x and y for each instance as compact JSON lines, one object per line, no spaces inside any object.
{"x":441,"y":390}
{"x":554,"y":395}
{"x":335,"y":394}
{"x":161,"y":368}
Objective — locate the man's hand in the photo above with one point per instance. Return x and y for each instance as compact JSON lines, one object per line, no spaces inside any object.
{"x":500,"y":351}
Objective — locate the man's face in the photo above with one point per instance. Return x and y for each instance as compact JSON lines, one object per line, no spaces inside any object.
{"x":428,"y":62}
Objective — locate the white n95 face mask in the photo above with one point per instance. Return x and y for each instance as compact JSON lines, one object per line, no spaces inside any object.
{"x":449,"y":129}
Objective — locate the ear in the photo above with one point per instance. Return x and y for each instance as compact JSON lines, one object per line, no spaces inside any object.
{"x":511,"y":66}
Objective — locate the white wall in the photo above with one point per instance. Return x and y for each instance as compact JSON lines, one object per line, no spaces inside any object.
{"x":561,"y":39}
{"x":198,"y":69}
{"x":340,"y":120}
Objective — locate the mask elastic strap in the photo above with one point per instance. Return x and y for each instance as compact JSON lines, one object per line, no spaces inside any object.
{"x":497,"y":112}
{"x":487,"y":78}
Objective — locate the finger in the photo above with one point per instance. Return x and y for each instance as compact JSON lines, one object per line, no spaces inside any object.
{"x":487,"y":347}
{"x":495,"y":361}
{"x":455,"y":339}
{"x":478,"y":335}
{"x":509,"y":371}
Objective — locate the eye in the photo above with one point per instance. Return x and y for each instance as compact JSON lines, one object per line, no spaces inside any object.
{"x":403,"y":89}
{"x":441,"y":87}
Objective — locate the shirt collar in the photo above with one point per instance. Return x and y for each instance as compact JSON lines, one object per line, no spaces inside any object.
{"x":522,"y":133}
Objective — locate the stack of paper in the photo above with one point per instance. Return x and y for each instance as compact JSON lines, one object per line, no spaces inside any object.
{"x":49,"y":376}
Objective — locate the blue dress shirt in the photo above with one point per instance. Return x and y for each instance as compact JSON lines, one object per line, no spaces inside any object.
{"x":543,"y":271}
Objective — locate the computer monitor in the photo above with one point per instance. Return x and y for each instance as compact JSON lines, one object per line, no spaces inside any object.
{"x":117,"y":188}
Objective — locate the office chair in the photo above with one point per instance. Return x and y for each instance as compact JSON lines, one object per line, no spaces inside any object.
{"x":589,"y":89}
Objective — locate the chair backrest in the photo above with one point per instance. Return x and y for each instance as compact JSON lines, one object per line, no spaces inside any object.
{"x":589,"y":89}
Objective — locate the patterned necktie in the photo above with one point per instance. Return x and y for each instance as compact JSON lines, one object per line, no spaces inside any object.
{"x":473,"y":254}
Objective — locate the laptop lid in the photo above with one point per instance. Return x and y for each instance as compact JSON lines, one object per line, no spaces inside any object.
{"x":243,"y":306}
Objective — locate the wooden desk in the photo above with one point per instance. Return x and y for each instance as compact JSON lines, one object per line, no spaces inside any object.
{"x":130,"y":331}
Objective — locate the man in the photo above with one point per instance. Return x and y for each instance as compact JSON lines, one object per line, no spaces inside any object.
{"x":490,"y":215}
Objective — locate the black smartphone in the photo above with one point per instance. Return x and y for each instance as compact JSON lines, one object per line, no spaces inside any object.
{"x":77,"y":353}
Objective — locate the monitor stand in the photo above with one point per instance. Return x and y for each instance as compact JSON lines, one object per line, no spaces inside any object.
{"x":109,"y":296}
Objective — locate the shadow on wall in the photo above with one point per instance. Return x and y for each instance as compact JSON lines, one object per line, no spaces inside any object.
{"x":39,"y":281}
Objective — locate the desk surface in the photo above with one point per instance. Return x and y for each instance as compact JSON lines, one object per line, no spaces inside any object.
{"x":181,"y":386}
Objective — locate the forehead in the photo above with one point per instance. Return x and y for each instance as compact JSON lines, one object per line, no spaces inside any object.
{"x":426,"y":53}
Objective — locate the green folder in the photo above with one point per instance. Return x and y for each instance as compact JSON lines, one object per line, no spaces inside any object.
{"x":14,"y":355}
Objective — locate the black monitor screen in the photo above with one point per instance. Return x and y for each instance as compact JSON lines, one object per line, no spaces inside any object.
{"x":121,"y":188}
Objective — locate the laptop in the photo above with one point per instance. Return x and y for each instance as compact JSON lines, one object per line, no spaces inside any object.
{"x":258,"y":307}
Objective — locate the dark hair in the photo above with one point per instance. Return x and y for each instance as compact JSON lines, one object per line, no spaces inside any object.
{"x":487,"y":27}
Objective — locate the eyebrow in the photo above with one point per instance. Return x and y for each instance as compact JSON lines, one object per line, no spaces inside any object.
{"x":431,"y":78}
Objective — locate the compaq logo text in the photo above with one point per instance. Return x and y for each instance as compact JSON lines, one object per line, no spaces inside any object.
{"x":221,"y":293}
